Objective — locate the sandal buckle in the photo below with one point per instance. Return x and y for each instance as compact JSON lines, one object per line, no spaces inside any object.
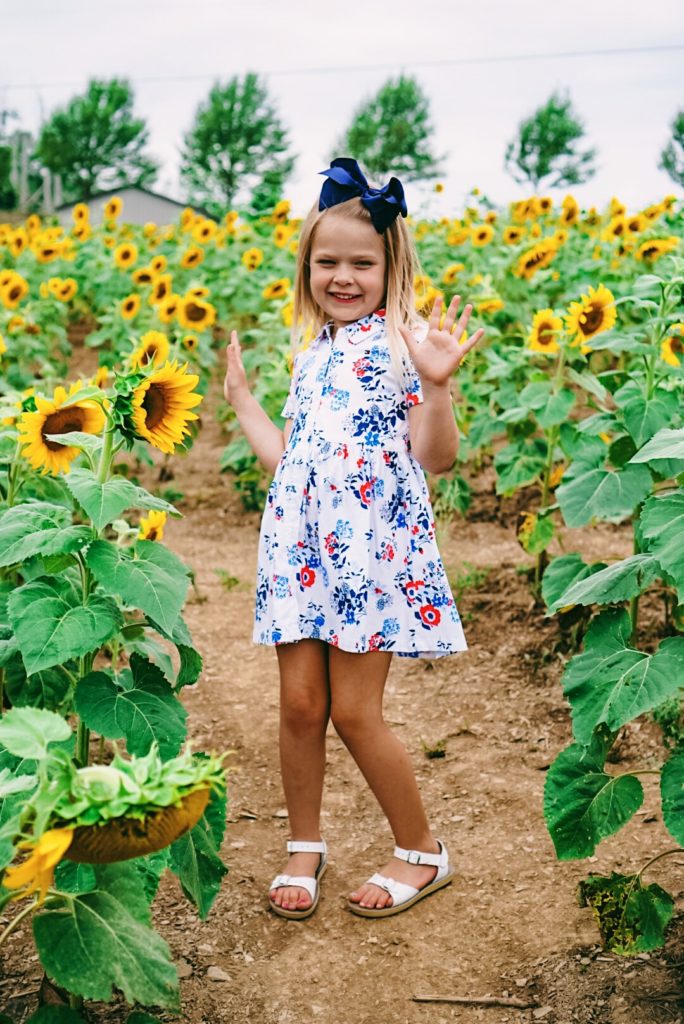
{"x":413,"y":857}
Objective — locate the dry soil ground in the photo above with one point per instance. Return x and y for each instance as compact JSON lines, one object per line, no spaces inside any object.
{"x":509,"y":926}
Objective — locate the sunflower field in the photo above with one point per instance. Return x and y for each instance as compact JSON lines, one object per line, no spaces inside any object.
{"x":574,"y":402}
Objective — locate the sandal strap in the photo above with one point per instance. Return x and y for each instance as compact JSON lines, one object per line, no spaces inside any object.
{"x":399,"y":891}
{"x":300,"y":881}
{"x":297,"y":846}
{"x":435,"y":860}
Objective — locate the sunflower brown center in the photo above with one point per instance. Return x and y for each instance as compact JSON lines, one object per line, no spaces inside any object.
{"x":194,"y":312}
{"x":154,"y":406}
{"x":14,"y":293}
{"x":545,"y":334}
{"x":62,"y":422}
{"x":592,"y":319}
{"x":676,"y":345}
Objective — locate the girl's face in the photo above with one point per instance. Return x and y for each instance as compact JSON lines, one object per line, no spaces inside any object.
{"x":347,"y":268}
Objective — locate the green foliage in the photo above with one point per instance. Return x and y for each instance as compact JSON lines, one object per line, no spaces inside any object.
{"x":95,"y":142}
{"x":612,"y":584}
{"x":101,"y":940}
{"x":8,"y":194}
{"x":236,"y":145}
{"x":104,"y":502}
{"x":632,"y":918}
{"x":195,"y":858}
{"x":391,"y":133}
{"x":672,"y":156}
{"x":545,"y":152}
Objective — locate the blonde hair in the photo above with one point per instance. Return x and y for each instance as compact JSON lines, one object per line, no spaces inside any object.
{"x":401,"y":266}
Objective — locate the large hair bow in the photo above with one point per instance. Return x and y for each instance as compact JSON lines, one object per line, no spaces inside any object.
{"x":345,"y":180}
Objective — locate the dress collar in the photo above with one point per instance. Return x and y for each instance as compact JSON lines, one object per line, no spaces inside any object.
{"x":357,"y":331}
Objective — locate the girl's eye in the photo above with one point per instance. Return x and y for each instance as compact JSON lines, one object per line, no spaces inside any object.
{"x":324,"y":263}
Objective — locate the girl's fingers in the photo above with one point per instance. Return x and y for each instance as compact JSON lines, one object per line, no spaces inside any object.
{"x":450,"y":317}
{"x":471,"y":342}
{"x":436,"y":314}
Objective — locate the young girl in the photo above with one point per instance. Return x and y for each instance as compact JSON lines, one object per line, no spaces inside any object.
{"x":349,"y":571}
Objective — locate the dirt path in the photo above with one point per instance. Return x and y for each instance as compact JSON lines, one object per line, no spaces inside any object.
{"x":509,"y":925}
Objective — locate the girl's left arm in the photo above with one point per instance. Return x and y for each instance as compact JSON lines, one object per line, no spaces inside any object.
{"x":432,"y":427}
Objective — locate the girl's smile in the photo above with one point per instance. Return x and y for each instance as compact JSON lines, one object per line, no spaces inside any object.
{"x":347,"y":268}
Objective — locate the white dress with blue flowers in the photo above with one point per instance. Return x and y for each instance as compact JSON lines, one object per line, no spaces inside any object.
{"x":347,"y":551}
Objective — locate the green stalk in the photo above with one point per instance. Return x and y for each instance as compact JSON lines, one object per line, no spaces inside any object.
{"x":634,"y":601}
{"x":552,"y":435}
{"x":82,"y":745}
{"x":2,"y":691}
{"x":106,"y":455}
{"x":659,"y":856}
{"x":13,"y":477}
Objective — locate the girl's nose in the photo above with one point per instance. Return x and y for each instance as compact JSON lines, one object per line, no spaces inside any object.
{"x":343,"y":274}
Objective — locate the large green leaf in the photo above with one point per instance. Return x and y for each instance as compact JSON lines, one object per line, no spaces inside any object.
{"x":666,"y":444}
{"x":28,"y":732}
{"x":102,"y":940}
{"x":153,"y":579}
{"x":195,"y":858}
{"x":141,"y":713}
{"x":519,"y":464}
{"x":53,"y":623}
{"x":105,"y":502}
{"x":561,"y":573}
{"x":612,"y":683}
{"x":593,"y":492}
{"x":642,"y":416}
{"x":672,"y":794}
{"x":38,"y":528}
{"x":631,"y":917}
{"x":190,"y":659}
{"x":582,"y":803}
{"x":662,"y":529}
{"x":557,"y":409}
{"x":50,"y":688}
{"x":612,"y":584}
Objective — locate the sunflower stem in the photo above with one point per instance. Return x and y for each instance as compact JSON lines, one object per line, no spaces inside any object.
{"x":106,"y":455}
{"x":82,"y":744}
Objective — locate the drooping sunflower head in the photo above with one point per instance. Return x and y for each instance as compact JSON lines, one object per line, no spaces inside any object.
{"x":153,"y":350}
{"x":57,"y":415}
{"x":546,"y":327}
{"x":592,"y":315}
{"x":162,"y":404}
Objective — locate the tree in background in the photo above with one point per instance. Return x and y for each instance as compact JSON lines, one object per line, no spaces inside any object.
{"x":391,"y":133}
{"x":672,"y":156}
{"x":8,"y":193}
{"x":95,"y":143}
{"x":547,"y":148}
{"x":237,"y":149}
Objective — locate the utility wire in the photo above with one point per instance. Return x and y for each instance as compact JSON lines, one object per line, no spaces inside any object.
{"x":350,"y":69}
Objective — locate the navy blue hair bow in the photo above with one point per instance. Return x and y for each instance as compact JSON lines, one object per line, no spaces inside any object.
{"x":345,"y":180}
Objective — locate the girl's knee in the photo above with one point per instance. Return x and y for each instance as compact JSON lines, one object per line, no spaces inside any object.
{"x":351,"y":720}
{"x":304,"y":715}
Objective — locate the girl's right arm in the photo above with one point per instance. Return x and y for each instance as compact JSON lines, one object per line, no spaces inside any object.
{"x":267,"y":441}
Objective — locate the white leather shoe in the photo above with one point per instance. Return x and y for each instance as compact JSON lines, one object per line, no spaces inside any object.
{"x":301,"y":881}
{"x":404,"y":896}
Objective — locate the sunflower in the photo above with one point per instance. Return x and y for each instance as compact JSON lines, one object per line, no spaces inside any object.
{"x":161,"y":289}
{"x":80,"y":212}
{"x":231,"y":219}
{"x":152,"y":526}
{"x":449,"y":275}
{"x":158,"y":263}
{"x":425,"y":300}
{"x":167,"y":310}
{"x":636,"y":223}
{"x":35,"y":874}
{"x":129,"y":306}
{"x":194,"y":314}
{"x":532,"y":260}
{"x":46,"y":252}
{"x":277,"y":289}
{"x":113,"y":208}
{"x":14,"y":291}
{"x":491,"y":217}
{"x":204,"y":231}
{"x":546,"y":327}
{"x":617,"y":208}
{"x":615,"y":229}
{"x":3,"y":346}
{"x":653,"y":249}
{"x":187,"y":219}
{"x":125,"y":255}
{"x":458,"y":236}
{"x":512,"y":235}
{"x":190,"y":342}
{"x":282,"y":235}
{"x":482,"y":235}
{"x":18,"y":241}
{"x":281,"y":211}
{"x":144,"y":275}
{"x":544,"y":204}
{"x":492,"y":305}
{"x":162,"y":404}
{"x":101,"y":377}
{"x":67,"y":289}
{"x":439,"y":186}
{"x":192,"y":257}
{"x":652,"y":213}
{"x":15,"y":324}
{"x":56,"y":416}
{"x":153,"y":350}
{"x":82,"y":231}
{"x":33,"y":223}
{"x":287,"y":313}
{"x":569,"y":211}
{"x":592,"y":315}
{"x":200,"y":291}
{"x":672,"y":349}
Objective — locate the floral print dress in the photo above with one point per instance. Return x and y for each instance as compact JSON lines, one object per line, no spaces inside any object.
{"x":347,"y":550}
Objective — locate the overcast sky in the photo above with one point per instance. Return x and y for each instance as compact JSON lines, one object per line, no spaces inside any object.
{"x":322,"y":59}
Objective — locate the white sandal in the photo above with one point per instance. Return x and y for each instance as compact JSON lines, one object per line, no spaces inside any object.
{"x":404,"y":896}
{"x":301,"y":881}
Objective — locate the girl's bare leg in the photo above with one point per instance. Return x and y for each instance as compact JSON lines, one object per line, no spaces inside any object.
{"x":357,"y":683}
{"x":304,"y":713}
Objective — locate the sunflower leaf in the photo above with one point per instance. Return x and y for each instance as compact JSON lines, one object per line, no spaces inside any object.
{"x":84,"y":394}
{"x":141,"y":714}
{"x":53,"y":622}
{"x":561,"y":574}
{"x":195,"y":858}
{"x":153,"y":579}
{"x":666,"y":444}
{"x":28,"y":732}
{"x":102,"y":940}
{"x":590,"y":491}
{"x":38,"y":528}
{"x":611,"y":584}
{"x":631,"y":917}
{"x":105,"y":502}
{"x":662,"y":525}
{"x":78,"y":439}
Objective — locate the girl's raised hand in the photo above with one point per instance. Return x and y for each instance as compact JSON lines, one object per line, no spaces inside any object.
{"x":442,"y":351}
{"x":235,"y":384}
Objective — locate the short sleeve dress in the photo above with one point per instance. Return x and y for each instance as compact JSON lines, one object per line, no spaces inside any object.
{"x":347,"y":549}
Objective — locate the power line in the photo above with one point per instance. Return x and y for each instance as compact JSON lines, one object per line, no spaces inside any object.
{"x":342,"y":69}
